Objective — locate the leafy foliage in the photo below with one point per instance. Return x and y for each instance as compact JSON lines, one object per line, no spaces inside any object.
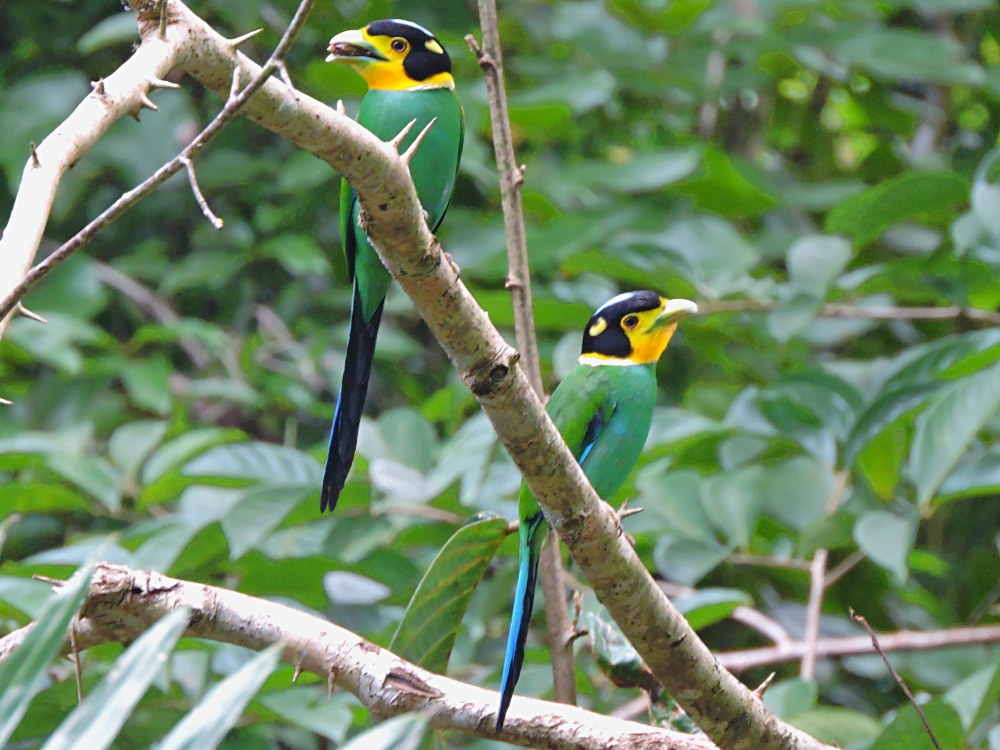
{"x":794,"y":154}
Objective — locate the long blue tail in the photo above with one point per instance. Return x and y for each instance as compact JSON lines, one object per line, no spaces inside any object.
{"x":524,"y":599}
{"x":350,"y":402}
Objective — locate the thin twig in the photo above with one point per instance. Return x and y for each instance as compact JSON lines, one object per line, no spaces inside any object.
{"x":895,"y":675}
{"x":490,"y":58}
{"x":859,"y":312}
{"x":817,"y":572}
{"x":817,"y":584}
{"x":766,"y":561}
{"x":202,"y":203}
{"x":843,"y":568}
{"x":129,"y":199}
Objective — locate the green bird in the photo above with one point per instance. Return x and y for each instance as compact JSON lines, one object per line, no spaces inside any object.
{"x":409,"y":79}
{"x":603,"y":408}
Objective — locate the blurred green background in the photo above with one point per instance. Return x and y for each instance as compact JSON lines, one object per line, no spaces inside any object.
{"x":784,"y":152}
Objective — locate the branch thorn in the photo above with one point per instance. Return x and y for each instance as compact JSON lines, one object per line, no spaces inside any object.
{"x":329,"y":684}
{"x":159,"y":83}
{"x":98,"y":86}
{"x":31,"y":315}
{"x":5,"y":402}
{"x":237,"y":41}
{"x":412,"y":150}
{"x":145,"y":101}
{"x":298,"y":666}
{"x":624,"y":511}
{"x":341,"y":110}
{"x":517,"y":175}
{"x":34,"y":155}
{"x":762,"y":687}
{"x":283,"y":73}
{"x":76,"y":654}
{"x":163,"y":19}
{"x":511,"y":282}
{"x":401,"y":134}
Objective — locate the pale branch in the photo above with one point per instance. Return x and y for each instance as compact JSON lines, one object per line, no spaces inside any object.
{"x":145,"y":9}
{"x":155,"y":306}
{"x":122,"y":603}
{"x":728,"y":712}
{"x":550,"y":569}
{"x":814,"y":608}
{"x":859,"y":312}
{"x":766,"y":561}
{"x":903,"y":640}
{"x":754,"y":618}
{"x":817,"y":584}
{"x":843,"y":568}
{"x":114,"y":96}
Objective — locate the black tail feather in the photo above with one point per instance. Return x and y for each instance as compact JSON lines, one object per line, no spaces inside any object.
{"x":350,"y":402}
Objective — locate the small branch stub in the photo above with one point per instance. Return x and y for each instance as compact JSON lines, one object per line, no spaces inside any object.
{"x":34,"y":155}
{"x":98,"y":86}
{"x":202,"y":203}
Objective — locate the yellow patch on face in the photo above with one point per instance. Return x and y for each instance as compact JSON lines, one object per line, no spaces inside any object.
{"x":598,"y":327}
{"x":389,"y":74}
{"x":648,"y":343}
{"x":434,"y":47}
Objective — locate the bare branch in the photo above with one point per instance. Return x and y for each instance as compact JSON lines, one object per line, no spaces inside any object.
{"x":122,"y":603}
{"x":202,"y":203}
{"x":895,"y":675}
{"x":903,"y":640}
{"x":130,"y":198}
{"x":860,"y":312}
{"x":843,"y":568}
{"x":814,"y":608}
{"x":754,"y":618}
{"x":766,"y":561}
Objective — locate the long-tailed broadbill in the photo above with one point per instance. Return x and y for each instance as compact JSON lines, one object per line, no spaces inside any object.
{"x":603,"y":408}
{"x":409,"y":80}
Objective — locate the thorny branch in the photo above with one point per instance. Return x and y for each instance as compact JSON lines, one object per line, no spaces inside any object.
{"x":237,"y":100}
{"x":122,"y":603}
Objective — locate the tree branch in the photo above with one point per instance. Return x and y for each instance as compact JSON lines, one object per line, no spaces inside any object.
{"x":861,"y":312}
{"x":550,"y":569}
{"x":903,"y":640}
{"x":728,"y":712}
{"x":122,"y":603}
{"x":237,"y":100}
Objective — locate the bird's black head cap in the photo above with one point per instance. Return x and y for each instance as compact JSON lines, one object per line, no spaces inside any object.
{"x":426,"y":56}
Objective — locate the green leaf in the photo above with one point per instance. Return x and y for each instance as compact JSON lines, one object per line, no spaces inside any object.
{"x":112,"y":30}
{"x":132,"y":443}
{"x":257,"y":514}
{"x":25,"y":594}
{"x":311,"y":709}
{"x":399,"y":733}
{"x":945,"y":429}
{"x":796,"y":491}
{"x":977,"y":473}
{"x":25,"y":671}
{"x":906,"y":731}
{"x":883,"y":413}
{"x":686,"y":560}
{"x":616,"y":657}
{"x":790,"y":697}
{"x":836,"y":726}
{"x":974,"y":697}
{"x":815,"y":261}
{"x":908,"y":196}
{"x":731,"y":502}
{"x":905,"y":55}
{"x":182,"y":448}
{"x":207,"y":724}
{"x":148,"y":383}
{"x":707,"y":606}
{"x":427,"y":631}
{"x":92,"y":474}
{"x":272,"y":464}
{"x":887,"y":539}
{"x":94,"y":724}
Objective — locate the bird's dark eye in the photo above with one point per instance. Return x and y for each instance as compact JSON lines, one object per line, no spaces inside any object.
{"x":399,"y":45}
{"x":630,"y":321}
